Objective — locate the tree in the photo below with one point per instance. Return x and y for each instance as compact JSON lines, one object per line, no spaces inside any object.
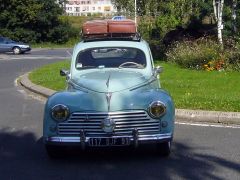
{"x":218,"y":12}
{"x":234,"y":16}
{"x":33,"y":21}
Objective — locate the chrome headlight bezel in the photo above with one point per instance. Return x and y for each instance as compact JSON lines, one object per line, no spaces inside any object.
{"x":62,"y":115}
{"x":158,"y":104}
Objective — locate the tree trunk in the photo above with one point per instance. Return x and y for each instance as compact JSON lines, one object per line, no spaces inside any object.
{"x":234,"y":16}
{"x":218,"y":10}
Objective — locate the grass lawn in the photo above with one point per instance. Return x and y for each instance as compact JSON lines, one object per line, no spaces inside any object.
{"x":190,"y":89}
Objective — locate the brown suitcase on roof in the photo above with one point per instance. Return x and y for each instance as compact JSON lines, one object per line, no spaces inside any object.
{"x":123,"y":26}
{"x":95,"y":27}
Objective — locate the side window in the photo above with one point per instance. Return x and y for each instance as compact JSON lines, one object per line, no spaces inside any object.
{"x":1,"y":40}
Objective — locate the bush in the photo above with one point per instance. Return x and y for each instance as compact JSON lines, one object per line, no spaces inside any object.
{"x":194,"y":54}
{"x":204,"y":54}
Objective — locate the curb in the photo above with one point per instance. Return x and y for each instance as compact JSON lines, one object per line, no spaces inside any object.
{"x":196,"y":116}
{"x":182,"y":115}
{"x":25,"y":82}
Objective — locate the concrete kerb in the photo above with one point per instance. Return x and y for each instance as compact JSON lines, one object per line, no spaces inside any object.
{"x":182,"y":115}
{"x":25,"y":82}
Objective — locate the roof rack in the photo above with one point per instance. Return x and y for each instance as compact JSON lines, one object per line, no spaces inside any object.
{"x":110,"y":30}
{"x":112,"y":37}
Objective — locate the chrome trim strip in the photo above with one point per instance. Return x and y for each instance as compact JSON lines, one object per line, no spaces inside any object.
{"x":111,"y":113}
{"x":156,"y":137}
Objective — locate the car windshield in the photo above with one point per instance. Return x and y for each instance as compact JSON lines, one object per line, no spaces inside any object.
{"x":117,"y":57}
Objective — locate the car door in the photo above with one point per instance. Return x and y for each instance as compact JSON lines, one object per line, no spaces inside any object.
{"x":2,"y":45}
{"x":8,"y":44}
{"x":5,"y":44}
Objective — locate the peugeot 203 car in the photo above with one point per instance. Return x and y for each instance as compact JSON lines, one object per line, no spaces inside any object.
{"x":113,"y":98}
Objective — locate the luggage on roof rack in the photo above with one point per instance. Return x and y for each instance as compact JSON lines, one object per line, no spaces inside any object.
{"x":124,"y":26}
{"x":109,"y":30}
{"x":95,"y":27}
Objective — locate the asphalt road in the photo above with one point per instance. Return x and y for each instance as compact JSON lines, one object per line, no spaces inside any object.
{"x":198,"y":152}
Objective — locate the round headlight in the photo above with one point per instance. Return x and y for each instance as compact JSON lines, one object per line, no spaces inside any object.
{"x":60,"y":112}
{"x":157,"y":109}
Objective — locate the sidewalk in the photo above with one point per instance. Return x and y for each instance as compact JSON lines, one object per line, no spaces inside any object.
{"x":182,"y":115}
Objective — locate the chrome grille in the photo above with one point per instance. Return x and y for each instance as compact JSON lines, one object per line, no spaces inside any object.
{"x":126,"y":122}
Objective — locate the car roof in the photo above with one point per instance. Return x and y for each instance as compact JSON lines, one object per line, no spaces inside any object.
{"x":142,"y":44}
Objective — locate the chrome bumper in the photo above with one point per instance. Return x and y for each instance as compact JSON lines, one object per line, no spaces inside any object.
{"x":135,"y":139}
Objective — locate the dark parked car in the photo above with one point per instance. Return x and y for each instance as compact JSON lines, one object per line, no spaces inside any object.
{"x":8,"y":45}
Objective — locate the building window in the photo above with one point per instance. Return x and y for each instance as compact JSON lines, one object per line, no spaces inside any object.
{"x":77,"y":9}
{"x":107,"y":8}
{"x":93,"y":8}
{"x":85,"y":8}
{"x":69,"y":8}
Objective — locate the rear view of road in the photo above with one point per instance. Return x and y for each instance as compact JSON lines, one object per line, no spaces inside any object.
{"x":198,"y":152}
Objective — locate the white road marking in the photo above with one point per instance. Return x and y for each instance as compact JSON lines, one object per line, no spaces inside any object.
{"x":209,"y":125}
{"x":39,"y":57}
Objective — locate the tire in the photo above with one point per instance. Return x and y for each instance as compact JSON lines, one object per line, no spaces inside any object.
{"x":16,"y":50}
{"x":164,"y":149}
{"x":54,"y":151}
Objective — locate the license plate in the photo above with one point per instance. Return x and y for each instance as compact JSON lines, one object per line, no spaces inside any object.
{"x":120,"y":141}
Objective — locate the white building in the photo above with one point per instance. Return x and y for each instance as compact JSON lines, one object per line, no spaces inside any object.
{"x":89,"y":7}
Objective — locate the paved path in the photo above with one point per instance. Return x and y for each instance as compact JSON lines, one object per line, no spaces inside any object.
{"x":198,"y":152}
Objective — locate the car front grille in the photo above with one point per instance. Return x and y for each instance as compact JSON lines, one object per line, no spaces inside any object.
{"x":125,"y":122}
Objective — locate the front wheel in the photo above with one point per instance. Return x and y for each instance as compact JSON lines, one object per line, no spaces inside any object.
{"x":164,"y":149}
{"x":16,"y":50}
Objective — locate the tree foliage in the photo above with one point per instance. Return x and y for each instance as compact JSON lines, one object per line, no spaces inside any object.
{"x":165,"y":15}
{"x":33,"y":21}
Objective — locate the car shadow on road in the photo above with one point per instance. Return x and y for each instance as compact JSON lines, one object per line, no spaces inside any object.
{"x":22,"y":156}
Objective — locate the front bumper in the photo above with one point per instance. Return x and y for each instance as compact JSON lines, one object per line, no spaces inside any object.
{"x":26,"y":49}
{"x":135,"y":139}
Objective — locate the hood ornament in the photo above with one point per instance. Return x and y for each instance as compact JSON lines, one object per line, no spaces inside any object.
{"x":108,"y":97}
{"x":108,"y":80}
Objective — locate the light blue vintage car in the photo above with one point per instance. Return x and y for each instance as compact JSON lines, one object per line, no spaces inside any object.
{"x":113,"y":98}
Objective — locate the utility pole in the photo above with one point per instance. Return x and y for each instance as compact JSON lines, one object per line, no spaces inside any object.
{"x":135,"y":7}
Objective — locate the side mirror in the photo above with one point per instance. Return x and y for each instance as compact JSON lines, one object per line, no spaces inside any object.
{"x":157,"y":70}
{"x":64,"y":72}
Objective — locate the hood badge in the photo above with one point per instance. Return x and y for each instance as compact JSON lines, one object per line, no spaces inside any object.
{"x":108,"y":125}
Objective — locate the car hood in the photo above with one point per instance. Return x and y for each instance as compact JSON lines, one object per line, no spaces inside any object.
{"x":110,"y":81}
